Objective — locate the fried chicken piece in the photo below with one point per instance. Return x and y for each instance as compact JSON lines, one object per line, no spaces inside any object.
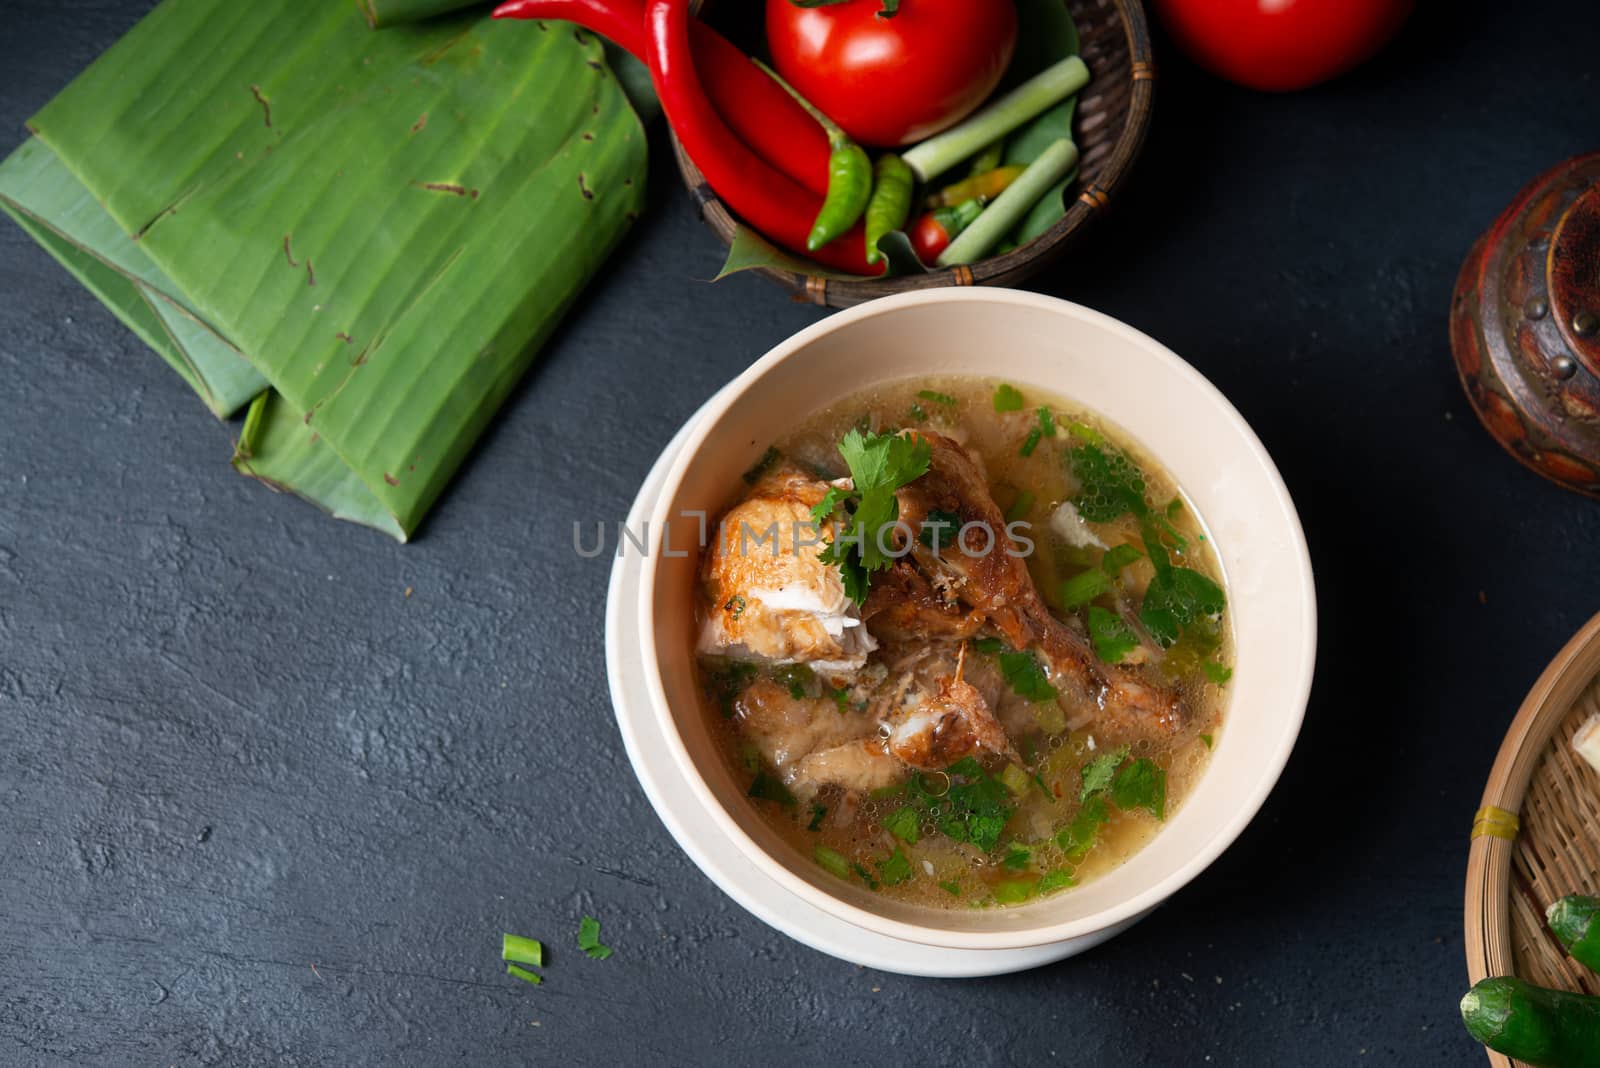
{"x":810,"y":744}
{"x":972,"y":578}
{"x":772,"y":599}
{"x":936,"y":729}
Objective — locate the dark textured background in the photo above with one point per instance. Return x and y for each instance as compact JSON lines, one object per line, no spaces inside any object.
{"x":232,"y":748}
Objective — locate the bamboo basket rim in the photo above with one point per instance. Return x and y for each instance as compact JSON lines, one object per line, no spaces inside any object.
{"x":1093,"y":200}
{"x":1488,"y":929}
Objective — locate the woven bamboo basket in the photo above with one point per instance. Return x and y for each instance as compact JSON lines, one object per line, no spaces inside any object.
{"x":1537,"y":835}
{"x":1113,"y":116}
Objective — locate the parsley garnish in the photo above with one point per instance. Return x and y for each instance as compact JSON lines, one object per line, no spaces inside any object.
{"x":939,"y":529}
{"x":1113,"y":639}
{"x":1078,"y":837}
{"x":1141,"y":785}
{"x":1026,"y":677}
{"x":1176,"y":598}
{"x":1017,"y":856}
{"x":896,"y":869}
{"x":1055,"y":880}
{"x":770,"y":788}
{"x":904,"y":823}
{"x":1217,"y":673}
{"x":1007,"y":399}
{"x":976,"y":807}
{"x":589,"y":939}
{"x":1097,"y":774}
{"x":1118,"y":557}
{"x":879,"y":464}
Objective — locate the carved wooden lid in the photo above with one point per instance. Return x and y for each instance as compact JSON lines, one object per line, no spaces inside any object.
{"x":1525,"y":325}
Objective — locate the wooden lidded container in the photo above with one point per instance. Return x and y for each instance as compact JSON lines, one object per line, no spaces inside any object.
{"x":1525,"y":325}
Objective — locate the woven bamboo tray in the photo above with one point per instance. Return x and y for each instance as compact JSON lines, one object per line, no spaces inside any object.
{"x":1113,"y":116}
{"x":1547,"y":800}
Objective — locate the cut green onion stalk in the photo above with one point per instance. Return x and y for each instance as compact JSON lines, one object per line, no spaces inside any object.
{"x":1034,"y":96}
{"x":522,"y":950}
{"x":523,"y":974}
{"x":997,"y":220}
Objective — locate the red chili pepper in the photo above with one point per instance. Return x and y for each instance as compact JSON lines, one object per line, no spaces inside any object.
{"x":762,"y":115}
{"x":769,"y":200}
{"x":932,"y":234}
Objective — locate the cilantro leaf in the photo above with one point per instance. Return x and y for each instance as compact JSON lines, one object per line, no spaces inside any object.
{"x":1113,"y":639}
{"x":1007,"y":399}
{"x":1141,"y":784}
{"x":1177,"y":597}
{"x":879,"y":464}
{"x":1111,"y":485}
{"x":1217,"y":673}
{"x":589,"y":939}
{"x":1098,"y":772}
{"x":1017,"y":856}
{"x":831,"y":502}
{"x":952,"y":888}
{"x":896,"y":869}
{"x":976,"y":807}
{"x":1012,"y":891}
{"x":1055,"y":880}
{"x":1026,"y":677}
{"x":904,"y":823}
{"x":988,"y":645}
{"x":770,"y":788}
{"x":939,"y":529}
{"x":866,"y":876}
{"x":1078,"y":836}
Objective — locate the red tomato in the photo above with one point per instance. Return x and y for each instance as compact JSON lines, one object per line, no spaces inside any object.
{"x":929,"y":238}
{"x":1282,"y":44}
{"x":892,"y":81}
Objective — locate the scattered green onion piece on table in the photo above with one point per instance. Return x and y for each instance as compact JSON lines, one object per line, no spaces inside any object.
{"x":849,"y":177}
{"x":991,"y":227}
{"x":522,"y":950}
{"x":890,"y":203}
{"x":524,"y":974}
{"x":1044,"y":90}
{"x":589,"y":939}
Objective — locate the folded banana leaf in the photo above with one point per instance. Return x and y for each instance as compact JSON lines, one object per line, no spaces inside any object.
{"x":383,"y":227}
{"x":382,"y":13}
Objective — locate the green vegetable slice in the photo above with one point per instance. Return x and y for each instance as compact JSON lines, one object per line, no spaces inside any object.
{"x":896,"y":869}
{"x":523,"y":974}
{"x":1142,"y":784}
{"x":832,"y":861}
{"x":522,"y":950}
{"x":904,"y":823}
{"x":589,"y":939}
{"x":1113,"y":639}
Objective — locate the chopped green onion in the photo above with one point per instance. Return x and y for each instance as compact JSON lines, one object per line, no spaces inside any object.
{"x":522,"y":950}
{"x":1082,"y":588}
{"x":1012,"y":891}
{"x":1047,"y":423}
{"x":523,"y":974}
{"x":1017,"y":857}
{"x":589,"y":939}
{"x":832,"y":860}
{"x":1217,"y":673}
{"x":817,"y":812}
{"x":1031,"y":442}
{"x":1055,"y":880}
{"x":1038,"y":94}
{"x":895,"y":869}
{"x":1020,"y":507}
{"x":1014,"y":779}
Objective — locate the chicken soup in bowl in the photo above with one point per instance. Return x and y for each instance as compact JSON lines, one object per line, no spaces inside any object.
{"x":959,"y":644}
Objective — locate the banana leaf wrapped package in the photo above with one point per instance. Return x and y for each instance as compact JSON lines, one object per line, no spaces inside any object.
{"x":364,"y":236}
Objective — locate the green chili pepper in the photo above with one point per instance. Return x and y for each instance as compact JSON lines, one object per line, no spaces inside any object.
{"x":849,"y":187}
{"x":890,"y":204}
{"x":849,"y":174}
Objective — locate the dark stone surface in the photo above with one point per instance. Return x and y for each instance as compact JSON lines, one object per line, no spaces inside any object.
{"x":261,"y":807}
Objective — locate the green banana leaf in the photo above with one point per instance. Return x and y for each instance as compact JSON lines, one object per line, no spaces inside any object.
{"x":382,"y":13}
{"x":384,"y":226}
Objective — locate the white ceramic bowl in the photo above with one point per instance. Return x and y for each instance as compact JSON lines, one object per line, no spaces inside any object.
{"x":1127,"y":378}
